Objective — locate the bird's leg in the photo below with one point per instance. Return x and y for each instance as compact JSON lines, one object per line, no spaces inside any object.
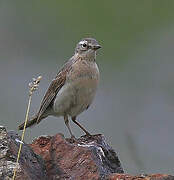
{"x":74,"y":120}
{"x":67,"y":124}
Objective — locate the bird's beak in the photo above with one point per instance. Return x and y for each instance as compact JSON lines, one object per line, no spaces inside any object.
{"x":96,"y":47}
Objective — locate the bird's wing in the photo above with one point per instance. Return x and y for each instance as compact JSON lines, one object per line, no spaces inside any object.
{"x":54,"y":88}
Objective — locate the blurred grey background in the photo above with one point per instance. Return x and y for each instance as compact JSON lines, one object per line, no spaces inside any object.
{"x":134,"y":105}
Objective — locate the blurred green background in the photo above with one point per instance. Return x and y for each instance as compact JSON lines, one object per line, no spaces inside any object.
{"x":134,"y":105}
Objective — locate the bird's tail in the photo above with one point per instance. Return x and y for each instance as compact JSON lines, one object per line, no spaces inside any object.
{"x":30,"y":123}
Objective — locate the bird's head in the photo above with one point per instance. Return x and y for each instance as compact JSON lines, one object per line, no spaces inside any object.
{"x":87,"y":48}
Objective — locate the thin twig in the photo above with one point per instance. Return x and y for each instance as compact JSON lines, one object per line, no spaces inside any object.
{"x":33,"y":87}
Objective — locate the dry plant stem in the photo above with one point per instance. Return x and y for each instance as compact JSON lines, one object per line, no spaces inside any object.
{"x":33,"y":87}
{"x":22,"y":137}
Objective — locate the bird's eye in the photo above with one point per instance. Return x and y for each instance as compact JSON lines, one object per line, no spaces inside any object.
{"x":84,"y":45}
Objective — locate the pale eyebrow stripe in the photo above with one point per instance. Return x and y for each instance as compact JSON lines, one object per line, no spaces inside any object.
{"x":82,"y":42}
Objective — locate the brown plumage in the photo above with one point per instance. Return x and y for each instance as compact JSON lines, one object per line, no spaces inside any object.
{"x":72,"y":90}
{"x":51,"y":93}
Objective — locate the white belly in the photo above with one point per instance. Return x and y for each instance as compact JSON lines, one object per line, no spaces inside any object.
{"x":74,"y":97}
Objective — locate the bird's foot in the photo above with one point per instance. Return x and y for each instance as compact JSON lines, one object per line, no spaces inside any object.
{"x":73,"y":139}
{"x":88,"y":134}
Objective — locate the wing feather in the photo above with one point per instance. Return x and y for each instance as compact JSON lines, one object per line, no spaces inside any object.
{"x":54,"y":88}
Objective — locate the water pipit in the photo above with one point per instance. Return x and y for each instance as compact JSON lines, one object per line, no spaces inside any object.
{"x":73,"y":89}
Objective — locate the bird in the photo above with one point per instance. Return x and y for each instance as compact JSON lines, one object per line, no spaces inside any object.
{"x":73,"y":89}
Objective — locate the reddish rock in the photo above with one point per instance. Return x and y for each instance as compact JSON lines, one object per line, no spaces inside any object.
{"x":57,"y":158}
{"x":86,"y":158}
{"x":116,"y":176}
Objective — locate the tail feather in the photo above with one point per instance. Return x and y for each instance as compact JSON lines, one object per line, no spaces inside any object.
{"x":30,"y":123}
